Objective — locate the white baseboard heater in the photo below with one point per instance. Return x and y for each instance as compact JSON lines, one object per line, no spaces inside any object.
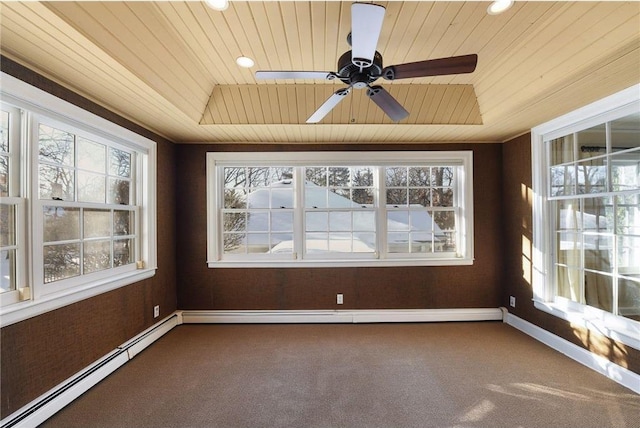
{"x":45,"y":406}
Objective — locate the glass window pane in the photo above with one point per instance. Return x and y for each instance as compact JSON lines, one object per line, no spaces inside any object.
{"x":123,"y":222}
{"x":119,"y":163}
{"x":280,"y":176}
{"x":397,"y":220}
{"x":123,"y":252}
{"x":445,"y":220}
{"x":235,"y":198}
{"x":362,"y":176}
{"x":4,"y":176}
{"x":629,"y":298}
{"x":362,"y":197}
{"x":625,"y":171}
{"x":364,"y":221}
{"x":258,"y":243}
{"x":568,"y":281}
{"x":282,"y":198}
{"x":340,"y":198}
{"x":419,"y":245}
{"x":56,"y":146}
{"x":598,"y":253}
{"x":234,"y":177}
{"x":442,"y":197}
{"x":421,"y":220}
{"x":562,"y":150}
{"x":419,"y":176}
{"x":442,"y":176}
{"x":7,"y":270}
{"x":316,"y":176}
{"x":257,"y":177}
{"x":233,"y":243}
{"x":315,"y":197}
{"x":420,"y":197}
{"x":96,"y":256}
{"x":629,"y":255}
{"x":628,"y":215}
{"x":340,"y":243}
{"x":4,"y":131}
{"x":56,"y":183}
{"x":339,"y":176}
{"x":91,"y":187}
{"x":7,"y":225}
{"x":61,"y":224}
{"x":61,"y":261}
{"x":317,"y":221}
{"x":592,"y":176}
{"x":625,"y":131}
{"x":569,"y":249}
{"x":597,"y":215}
{"x":396,"y":176}
{"x":282,"y":221}
{"x":259,"y":198}
{"x":397,"y":197}
{"x":281,"y":243}
{"x":92,"y":156}
{"x":119,"y":192}
{"x":592,"y":142}
{"x":563,"y":180}
{"x":234,"y":222}
{"x":96,"y":223}
{"x":340,"y":221}
{"x":568,"y":216}
{"x":598,"y":291}
{"x":398,"y":242}
{"x":258,"y":221}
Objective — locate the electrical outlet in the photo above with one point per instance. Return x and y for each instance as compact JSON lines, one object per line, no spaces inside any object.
{"x":156,"y":311}
{"x":512,"y":301}
{"x":339,"y":299}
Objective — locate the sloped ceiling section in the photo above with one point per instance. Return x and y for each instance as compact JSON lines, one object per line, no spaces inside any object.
{"x":293,"y":104}
{"x":170,"y":65}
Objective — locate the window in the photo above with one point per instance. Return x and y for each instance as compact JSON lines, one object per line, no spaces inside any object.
{"x":587,"y":216}
{"x":339,"y":209}
{"x":89,"y":186}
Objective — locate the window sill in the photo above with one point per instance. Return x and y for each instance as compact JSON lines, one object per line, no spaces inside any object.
{"x":339,"y":263}
{"x":614,"y":327}
{"x":21,"y":311}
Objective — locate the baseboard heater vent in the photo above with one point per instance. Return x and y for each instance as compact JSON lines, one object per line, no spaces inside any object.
{"x":45,"y":406}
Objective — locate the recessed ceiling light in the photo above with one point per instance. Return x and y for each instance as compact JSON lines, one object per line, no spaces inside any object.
{"x":218,"y":4}
{"x":499,"y":6}
{"x":244,"y":61}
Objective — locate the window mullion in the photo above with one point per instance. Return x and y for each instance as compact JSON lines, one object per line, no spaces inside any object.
{"x":380,"y":203}
{"x":299,"y":181}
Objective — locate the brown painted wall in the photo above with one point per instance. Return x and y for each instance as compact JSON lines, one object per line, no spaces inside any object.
{"x":518,"y":235}
{"x":40,"y":352}
{"x":474,"y":286}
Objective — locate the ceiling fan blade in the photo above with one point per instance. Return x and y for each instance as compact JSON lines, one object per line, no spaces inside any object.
{"x":328,"y":105}
{"x":366,"y":24}
{"x":387,"y":103}
{"x":432,"y":67}
{"x":294,"y":75}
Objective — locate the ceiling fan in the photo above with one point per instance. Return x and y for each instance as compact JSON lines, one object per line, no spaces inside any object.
{"x":362,"y":65}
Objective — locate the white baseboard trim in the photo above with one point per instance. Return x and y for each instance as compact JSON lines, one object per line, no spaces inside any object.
{"x":49,"y":403}
{"x":613,"y":371}
{"x":341,"y":316}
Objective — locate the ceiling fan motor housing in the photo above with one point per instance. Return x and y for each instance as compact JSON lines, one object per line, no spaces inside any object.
{"x":351,"y":74}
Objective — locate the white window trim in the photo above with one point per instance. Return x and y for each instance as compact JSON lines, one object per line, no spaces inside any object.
{"x":610,"y":325}
{"x":22,"y":95}
{"x":465,"y":189}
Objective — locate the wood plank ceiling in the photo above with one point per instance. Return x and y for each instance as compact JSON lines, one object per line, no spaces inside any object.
{"x":170,"y":66}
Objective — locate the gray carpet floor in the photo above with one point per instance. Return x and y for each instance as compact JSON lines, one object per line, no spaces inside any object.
{"x":483,"y":374}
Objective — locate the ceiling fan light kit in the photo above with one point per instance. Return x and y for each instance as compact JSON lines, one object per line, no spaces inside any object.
{"x":362,"y":66}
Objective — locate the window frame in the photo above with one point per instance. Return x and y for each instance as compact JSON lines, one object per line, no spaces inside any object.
{"x":35,"y":103}
{"x":462,"y":160}
{"x":545,"y":297}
